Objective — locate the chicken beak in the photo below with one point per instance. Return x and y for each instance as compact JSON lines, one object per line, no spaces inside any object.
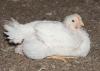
{"x":81,"y":23}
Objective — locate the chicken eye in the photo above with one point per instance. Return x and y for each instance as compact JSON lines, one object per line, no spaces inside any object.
{"x":73,"y":21}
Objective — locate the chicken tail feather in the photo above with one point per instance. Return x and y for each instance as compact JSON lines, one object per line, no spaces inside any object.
{"x":17,"y":32}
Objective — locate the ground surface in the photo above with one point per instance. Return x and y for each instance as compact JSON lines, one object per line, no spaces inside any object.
{"x":28,"y":10}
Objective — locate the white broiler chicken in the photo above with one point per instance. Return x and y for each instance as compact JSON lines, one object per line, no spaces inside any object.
{"x":50,"y":38}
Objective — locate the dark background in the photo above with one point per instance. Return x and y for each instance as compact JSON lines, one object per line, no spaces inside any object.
{"x":29,"y":10}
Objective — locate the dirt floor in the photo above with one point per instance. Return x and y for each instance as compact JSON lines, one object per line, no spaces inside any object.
{"x":29,"y":10}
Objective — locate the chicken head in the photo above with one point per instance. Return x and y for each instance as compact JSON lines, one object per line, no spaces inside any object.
{"x":73,"y":22}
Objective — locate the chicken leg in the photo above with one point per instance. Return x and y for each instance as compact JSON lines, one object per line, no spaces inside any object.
{"x":19,"y":50}
{"x":62,"y":58}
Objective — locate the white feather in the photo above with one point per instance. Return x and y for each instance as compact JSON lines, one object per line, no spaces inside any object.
{"x":47,"y":38}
